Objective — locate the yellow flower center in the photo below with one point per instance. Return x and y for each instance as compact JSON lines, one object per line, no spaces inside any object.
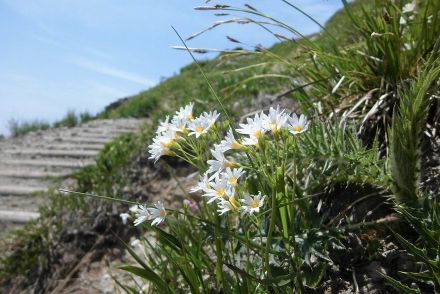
{"x":274,"y":127}
{"x":232,"y":180}
{"x":236,"y":145}
{"x":297,"y":128}
{"x":254,"y":204}
{"x":162,"y":213}
{"x":167,"y":143}
{"x":199,"y":130}
{"x":189,"y":116}
{"x":220,"y":192}
{"x":258,"y":134}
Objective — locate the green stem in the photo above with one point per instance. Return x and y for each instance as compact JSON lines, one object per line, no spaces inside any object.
{"x":218,"y":253}
{"x":270,"y":233}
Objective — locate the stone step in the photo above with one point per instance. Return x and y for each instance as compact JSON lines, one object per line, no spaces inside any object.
{"x":114,"y":131}
{"x":19,"y":190}
{"x":17,"y":216}
{"x":62,"y":163}
{"x":66,"y":146}
{"x":52,"y":153}
{"x":26,"y":174}
{"x":77,"y":140}
{"x":93,"y":136}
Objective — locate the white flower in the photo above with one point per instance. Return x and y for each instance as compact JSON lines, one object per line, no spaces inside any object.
{"x":185,"y":112}
{"x":161,"y":145}
{"x":297,"y":126}
{"x":220,"y":162}
{"x":134,"y":208}
{"x":232,"y":175}
{"x":124,"y":217}
{"x":227,"y":205}
{"x":218,"y":189}
{"x":211,"y":117}
{"x":402,"y":21}
{"x":198,"y":126}
{"x":229,"y":142}
{"x":164,"y":126}
{"x":179,"y":124}
{"x":157,"y":213}
{"x":276,"y":120}
{"x":203,"y":184}
{"x":141,"y":215}
{"x":252,"y":203}
{"x":409,"y":7}
{"x":254,"y":128}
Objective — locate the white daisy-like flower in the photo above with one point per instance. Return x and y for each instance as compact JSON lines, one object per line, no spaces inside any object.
{"x":252,"y":203}
{"x":161,"y":145}
{"x":134,"y":208}
{"x":254,"y":128}
{"x":230,"y":204}
{"x":211,"y":117}
{"x":124,"y":217}
{"x":409,"y":7}
{"x":179,"y":124}
{"x":229,"y":142}
{"x":164,"y":126}
{"x":203,"y":184}
{"x":232,"y":175}
{"x":219,"y":189}
{"x":157,"y":213}
{"x":297,"y":126}
{"x":198,"y":126}
{"x":220,"y":162}
{"x":276,"y":120}
{"x":141,"y":215}
{"x":185,"y":112}
{"x":402,"y":21}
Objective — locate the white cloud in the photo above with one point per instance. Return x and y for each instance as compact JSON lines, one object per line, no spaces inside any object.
{"x":112,"y":71}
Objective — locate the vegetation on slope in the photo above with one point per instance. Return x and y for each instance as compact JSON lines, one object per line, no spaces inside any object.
{"x":369,"y":84}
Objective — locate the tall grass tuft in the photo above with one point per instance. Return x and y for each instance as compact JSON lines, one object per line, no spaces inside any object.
{"x":17,"y":128}
{"x":409,"y":123}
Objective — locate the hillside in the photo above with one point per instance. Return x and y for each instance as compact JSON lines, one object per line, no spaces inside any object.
{"x":336,"y":192}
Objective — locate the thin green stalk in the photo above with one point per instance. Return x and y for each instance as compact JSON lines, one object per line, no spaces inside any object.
{"x":269,"y":234}
{"x":219,"y":253}
{"x":98,"y":196}
{"x":205,"y":77}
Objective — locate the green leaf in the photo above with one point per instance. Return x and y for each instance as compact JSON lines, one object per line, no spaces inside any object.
{"x":128,"y":289}
{"x":149,"y":275}
{"x":312,"y":276}
{"x":168,"y":239}
{"x":399,"y":286}
{"x":425,"y":276}
{"x":418,"y":253}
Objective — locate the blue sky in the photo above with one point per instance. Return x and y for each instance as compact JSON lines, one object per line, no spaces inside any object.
{"x":59,"y":55}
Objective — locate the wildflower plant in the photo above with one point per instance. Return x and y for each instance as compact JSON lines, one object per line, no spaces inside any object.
{"x":256,"y":215}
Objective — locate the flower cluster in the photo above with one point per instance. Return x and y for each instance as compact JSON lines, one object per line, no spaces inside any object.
{"x":182,"y":123}
{"x":223,"y":176}
{"x":220,"y":183}
{"x":141,"y":214}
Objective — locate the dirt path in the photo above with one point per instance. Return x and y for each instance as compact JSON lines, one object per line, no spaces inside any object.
{"x":33,"y":162}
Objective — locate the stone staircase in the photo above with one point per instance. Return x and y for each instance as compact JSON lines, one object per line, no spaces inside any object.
{"x":33,"y":162}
